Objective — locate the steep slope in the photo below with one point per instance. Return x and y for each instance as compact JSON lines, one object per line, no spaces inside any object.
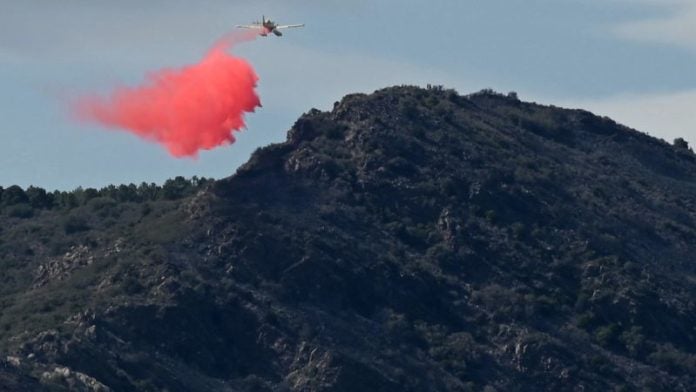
{"x":408,"y":240}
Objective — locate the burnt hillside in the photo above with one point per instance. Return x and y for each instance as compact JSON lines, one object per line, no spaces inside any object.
{"x":408,"y":240}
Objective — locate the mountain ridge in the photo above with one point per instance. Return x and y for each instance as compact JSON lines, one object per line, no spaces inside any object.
{"x":410,"y":239}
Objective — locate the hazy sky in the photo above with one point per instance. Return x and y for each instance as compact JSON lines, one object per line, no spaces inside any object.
{"x":633,"y":60}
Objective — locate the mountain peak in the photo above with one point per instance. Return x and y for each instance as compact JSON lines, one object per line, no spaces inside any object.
{"x":407,"y":240}
{"x":415,"y":124}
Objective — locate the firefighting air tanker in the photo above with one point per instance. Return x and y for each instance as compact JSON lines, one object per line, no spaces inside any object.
{"x":267,"y":26}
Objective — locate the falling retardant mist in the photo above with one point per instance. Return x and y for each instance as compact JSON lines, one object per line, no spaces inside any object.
{"x":189,"y":109}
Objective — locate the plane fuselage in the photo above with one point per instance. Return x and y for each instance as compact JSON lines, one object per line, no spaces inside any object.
{"x":270,"y":27}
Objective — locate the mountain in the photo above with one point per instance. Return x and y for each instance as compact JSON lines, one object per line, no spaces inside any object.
{"x":408,"y":240}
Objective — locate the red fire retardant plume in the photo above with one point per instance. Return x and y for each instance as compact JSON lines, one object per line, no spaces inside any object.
{"x":194,"y":108}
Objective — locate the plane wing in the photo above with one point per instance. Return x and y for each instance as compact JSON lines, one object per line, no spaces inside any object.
{"x":289,"y":26}
{"x":248,"y":26}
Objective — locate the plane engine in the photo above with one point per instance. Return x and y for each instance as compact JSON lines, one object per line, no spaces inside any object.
{"x":277,"y":33}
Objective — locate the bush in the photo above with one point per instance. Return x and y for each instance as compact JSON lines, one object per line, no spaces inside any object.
{"x":606,"y":335}
{"x":671,"y":359}
{"x":74,"y":224}
{"x":681,"y":143}
{"x":101,"y":203}
{"x":633,"y":340}
{"x":20,"y":211}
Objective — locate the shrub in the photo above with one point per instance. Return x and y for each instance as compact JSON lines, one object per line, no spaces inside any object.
{"x":633,"y":340}
{"x":681,"y":143}
{"x":670,"y":358}
{"x":74,"y":224}
{"x":20,"y":211}
{"x":606,"y":335}
{"x":101,"y":203}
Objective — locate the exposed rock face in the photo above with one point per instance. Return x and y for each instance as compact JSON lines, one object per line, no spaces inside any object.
{"x":14,"y":378}
{"x":408,"y":240}
{"x":61,"y":267}
{"x":74,"y":381}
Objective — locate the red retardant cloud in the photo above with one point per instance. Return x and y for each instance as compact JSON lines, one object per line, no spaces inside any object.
{"x":194,"y":108}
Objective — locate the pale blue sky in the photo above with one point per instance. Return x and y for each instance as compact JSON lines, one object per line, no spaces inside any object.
{"x":630,"y":59}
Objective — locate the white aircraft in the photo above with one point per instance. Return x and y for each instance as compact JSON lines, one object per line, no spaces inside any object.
{"x":268,"y":26}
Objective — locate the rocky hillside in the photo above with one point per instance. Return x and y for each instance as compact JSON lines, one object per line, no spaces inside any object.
{"x":408,"y":240}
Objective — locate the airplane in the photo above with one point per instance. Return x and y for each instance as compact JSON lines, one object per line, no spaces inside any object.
{"x":268,"y":26}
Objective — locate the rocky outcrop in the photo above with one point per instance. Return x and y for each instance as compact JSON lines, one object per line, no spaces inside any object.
{"x":408,"y":240}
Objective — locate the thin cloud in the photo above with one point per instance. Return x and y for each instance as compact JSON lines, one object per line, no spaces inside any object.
{"x":676,"y":26}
